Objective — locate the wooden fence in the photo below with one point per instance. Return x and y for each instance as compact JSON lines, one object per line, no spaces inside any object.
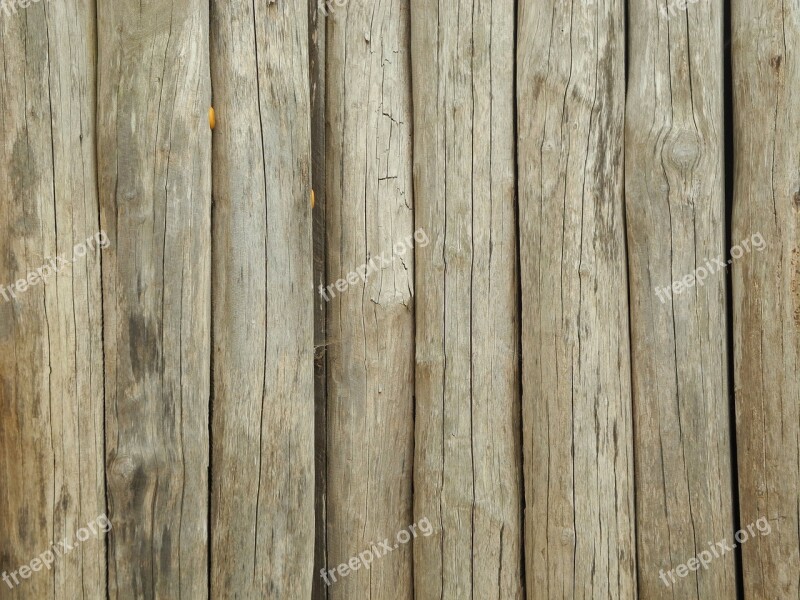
{"x":534,"y":334}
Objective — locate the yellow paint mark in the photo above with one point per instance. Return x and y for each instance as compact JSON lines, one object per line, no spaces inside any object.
{"x":313,"y":198}
{"x":212,"y":117}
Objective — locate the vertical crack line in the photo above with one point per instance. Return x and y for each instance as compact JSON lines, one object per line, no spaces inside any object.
{"x":212,"y":277}
{"x":96,"y":109}
{"x":518,"y":274}
{"x":729,"y":166}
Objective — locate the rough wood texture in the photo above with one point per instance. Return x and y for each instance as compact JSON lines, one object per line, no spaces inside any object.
{"x":51,"y":362}
{"x":579,"y":530}
{"x":371,"y":324}
{"x":468,"y":456}
{"x":676,"y":222}
{"x":263,"y":414}
{"x":766,"y":289}
{"x":155,"y":193}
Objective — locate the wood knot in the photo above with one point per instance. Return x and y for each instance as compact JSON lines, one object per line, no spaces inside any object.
{"x":775,"y":62}
{"x":685,"y":149}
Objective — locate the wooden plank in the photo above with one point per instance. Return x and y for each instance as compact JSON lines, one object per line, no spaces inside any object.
{"x":676,"y":223}
{"x":317,"y":64}
{"x":467,"y":447}
{"x":51,"y":357}
{"x":766,"y":289}
{"x":263,"y":413}
{"x":371,"y":323}
{"x":155,"y":193}
{"x":579,"y":529}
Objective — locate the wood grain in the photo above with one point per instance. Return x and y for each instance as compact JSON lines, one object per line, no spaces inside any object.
{"x":467,"y":445}
{"x":371,"y":324}
{"x":155,"y":193}
{"x":676,"y":223}
{"x":51,"y":358}
{"x":263,"y":414}
{"x":766,"y":289}
{"x":579,"y":518}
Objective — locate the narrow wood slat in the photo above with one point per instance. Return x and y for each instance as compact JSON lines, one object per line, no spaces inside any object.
{"x":467,"y":446}
{"x":155,"y":192}
{"x":676,"y":223}
{"x":579,"y":519}
{"x":766,"y":290}
{"x":371,"y":323}
{"x":262,"y":522}
{"x":51,"y":359}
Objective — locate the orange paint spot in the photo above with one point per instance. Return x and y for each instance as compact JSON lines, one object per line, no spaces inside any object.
{"x":212,"y":117}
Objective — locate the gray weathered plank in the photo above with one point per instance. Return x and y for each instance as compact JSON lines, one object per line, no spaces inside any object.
{"x":51,"y":358}
{"x":766,"y":289}
{"x":371,"y":324}
{"x":467,"y":448}
{"x":577,"y":435}
{"x":262,"y":522}
{"x":155,"y":195}
{"x":676,"y":223}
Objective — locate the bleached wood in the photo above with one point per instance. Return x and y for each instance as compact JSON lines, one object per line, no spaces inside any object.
{"x":51,"y":358}
{"x":467,"y":445}
{"x":676,"y":223}
{"x":577,"y":434}
{"x":766,"y":289}
{"x":262,"y":517}
{"x":155,"y":193}
{"x":371,"y":324}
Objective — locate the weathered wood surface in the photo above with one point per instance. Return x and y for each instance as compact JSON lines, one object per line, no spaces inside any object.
{"x":497,"y":380}
{"x":155,"y":194}
{"x":263,"y":413}
{"x":370,"y":324}
{"x":676,"y":222}
{"x":467,"y":447}
{"x":766,"y":289}
{"x":51,"y":359}
{"x":577,"y":430}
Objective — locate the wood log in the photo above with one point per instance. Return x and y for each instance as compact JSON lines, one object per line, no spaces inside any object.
{"x":467,"y":472}
{"x":579,"y":518}
{"x":262,"y":521}
{"x":766,"y":291}
{"x":371,"y":320}
{"x":52,"y":476}
{"x":675,"y":201}
{"x":154,"y":147}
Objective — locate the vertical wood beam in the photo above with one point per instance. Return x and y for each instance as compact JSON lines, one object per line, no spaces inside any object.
{"x":263,"y":415}
{"x":154,"y":149}
{"x":579,"y":519}
{"x":467,"y":472}
{"x":371,"y":323}
{"x":766,"y":289}
{"x":675,"y":202}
